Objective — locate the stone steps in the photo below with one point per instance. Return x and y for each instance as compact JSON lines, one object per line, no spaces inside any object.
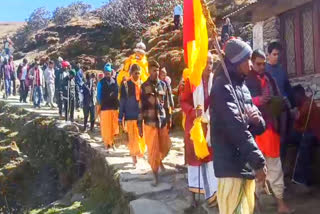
{"x":170,"y":196}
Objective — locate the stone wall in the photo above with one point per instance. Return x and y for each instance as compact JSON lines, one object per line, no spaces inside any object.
{"x":312,"y":81}
{"x":266,"y":31}
{"x":271,"y":30}
{"x":258,"y":36}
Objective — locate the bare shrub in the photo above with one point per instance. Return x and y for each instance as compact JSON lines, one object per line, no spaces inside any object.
{"x":39,"y":19}
{"x":63,"y":15}
{"x":136,"y":15}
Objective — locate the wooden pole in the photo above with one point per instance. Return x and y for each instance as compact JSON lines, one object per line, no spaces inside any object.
{"x":210,"y":24}
{"x":213,"y":29}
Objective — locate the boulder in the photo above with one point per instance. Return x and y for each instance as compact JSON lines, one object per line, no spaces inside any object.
{"x":52,"y":40}
{"x":88,"y":62}
{"x":18,"y":55}
{"x":140,"y":188}
{"x":147,"y":206}
{"x":43,"y":36}
{"x":30,"y":45}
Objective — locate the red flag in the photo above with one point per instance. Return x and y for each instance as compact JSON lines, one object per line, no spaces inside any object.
{"x":188,"y":26}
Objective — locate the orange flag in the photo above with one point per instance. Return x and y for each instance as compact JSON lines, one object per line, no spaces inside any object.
{"x":195,"y":41}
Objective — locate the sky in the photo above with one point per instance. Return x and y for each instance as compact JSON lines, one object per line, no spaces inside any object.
{"x":19,"y":10}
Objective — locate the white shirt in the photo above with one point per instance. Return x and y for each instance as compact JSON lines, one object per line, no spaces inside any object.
{"x":49,"y":76}
{"x":178,"y":10}
{"x":24,"y":71}
{"x":6,"y":44}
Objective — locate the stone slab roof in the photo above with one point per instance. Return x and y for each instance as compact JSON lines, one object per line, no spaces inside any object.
{"x":241,"y":9}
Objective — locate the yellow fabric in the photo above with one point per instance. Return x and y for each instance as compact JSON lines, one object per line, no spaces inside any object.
{"x":158,"y":143}
{"x":137,"y":85}
{"x":134,"y":59}
{"x":186,"y":74}
{"x":236,"y":196}
{"x":183,"y":120}
{"x":198,"y":48}
{"x":136,"y":143}
{"x":109,"y":126}
{"x":199,"y":140}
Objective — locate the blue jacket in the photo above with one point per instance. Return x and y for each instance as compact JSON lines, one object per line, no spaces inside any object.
{"x":236,"y":154}
{"x":129,"y":106}
{"x":79,"y":77}
{"x":281,"y":77}
{"x":88,"y":94}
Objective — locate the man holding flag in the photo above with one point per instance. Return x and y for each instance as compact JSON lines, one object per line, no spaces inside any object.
{"x":234,"y":119}
{"x":237,"y":159}
{"x":195,"y":103}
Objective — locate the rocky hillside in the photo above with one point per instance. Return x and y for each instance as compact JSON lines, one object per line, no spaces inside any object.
{"x":86,"y":40}
{"x":89,"y":41}
{"x":8,"y":29}
{"x":93,"y":44}
{"x":165,"y":45}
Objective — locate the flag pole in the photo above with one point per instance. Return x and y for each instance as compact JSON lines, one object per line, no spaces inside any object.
{"x":213,"y":29}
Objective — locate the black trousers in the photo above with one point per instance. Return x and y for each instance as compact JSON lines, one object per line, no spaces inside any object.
{"x":23,"y":91}
{"x":177,"y":22}
{"x":59,"y":98}
{"x":89,"y":110}
{"x":14,"y":91}
{"x":69,"y":108}
{"x":78,"y":94}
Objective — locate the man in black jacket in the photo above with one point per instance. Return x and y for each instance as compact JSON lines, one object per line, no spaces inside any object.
{"x":61,"y":77}
{"x":88,"y":89}
{"x":69,"y":95}
{"x":234,"y":120}
{"x":107,"y":97}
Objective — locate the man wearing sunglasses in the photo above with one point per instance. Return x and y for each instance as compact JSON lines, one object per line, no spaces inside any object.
{"x":267,"y":97}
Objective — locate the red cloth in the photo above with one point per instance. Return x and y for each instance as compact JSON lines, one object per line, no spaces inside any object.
{"x":37,"y":75}
{"x":186,"y":102}
{"x":206,"y":95}
{"x":188,"y":26}
{"x":314,"y":120}
{"x":269,"y":142}
{"x":265,"y":88}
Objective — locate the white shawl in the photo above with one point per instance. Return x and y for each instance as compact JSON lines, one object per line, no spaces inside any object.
{"x":198,"y":99}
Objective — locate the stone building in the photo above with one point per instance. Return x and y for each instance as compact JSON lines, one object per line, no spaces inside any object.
{"x":296,"y":24}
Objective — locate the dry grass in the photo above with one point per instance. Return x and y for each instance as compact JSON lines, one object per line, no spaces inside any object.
{"x":9,"y":28}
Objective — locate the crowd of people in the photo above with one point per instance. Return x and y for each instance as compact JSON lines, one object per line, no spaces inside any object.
{"x":249,"y":114}
{"x":252,"y":123}
{"x":50,"y":84}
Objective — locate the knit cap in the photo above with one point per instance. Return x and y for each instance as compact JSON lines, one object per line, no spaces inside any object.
{"x":237,"y":51}
{"x":107,"y":67}
{"x":72,"y":72}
